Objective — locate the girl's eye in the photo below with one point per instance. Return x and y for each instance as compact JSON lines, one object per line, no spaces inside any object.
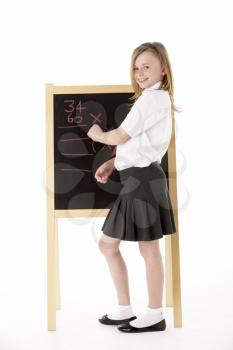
{"x":135,"y":68}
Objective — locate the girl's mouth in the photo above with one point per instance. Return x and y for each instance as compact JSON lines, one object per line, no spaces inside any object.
{"x":142,"y":80}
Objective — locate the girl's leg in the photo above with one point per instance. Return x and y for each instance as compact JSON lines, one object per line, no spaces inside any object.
{"x":154,"y":276}
{"x":154,"y":271}
{"x":110,"y":249}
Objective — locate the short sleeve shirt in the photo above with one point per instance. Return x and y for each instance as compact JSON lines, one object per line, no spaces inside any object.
{"x":149,"y":123}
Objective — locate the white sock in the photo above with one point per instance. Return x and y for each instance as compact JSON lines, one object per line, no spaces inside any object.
{"x":121,"y":312}
{"x":150,"y":317}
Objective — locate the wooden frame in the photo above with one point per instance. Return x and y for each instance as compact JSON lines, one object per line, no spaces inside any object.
{"x":172,"y":259}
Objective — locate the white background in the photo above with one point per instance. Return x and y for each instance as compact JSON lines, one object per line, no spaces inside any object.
{"x":90,"y":43}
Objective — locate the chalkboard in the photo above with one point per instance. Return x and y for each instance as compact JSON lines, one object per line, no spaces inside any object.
{"x":76,"y":156}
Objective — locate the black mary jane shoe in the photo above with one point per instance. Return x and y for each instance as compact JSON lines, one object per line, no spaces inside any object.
{"x":127,"y":328}
{"x":105,"y":320}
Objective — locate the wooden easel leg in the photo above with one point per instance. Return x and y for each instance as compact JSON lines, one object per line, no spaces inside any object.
{"x":58,"y":298}
{"x":51,"y":272}
{"x":168,"y":271}
{"x":176,"y":288}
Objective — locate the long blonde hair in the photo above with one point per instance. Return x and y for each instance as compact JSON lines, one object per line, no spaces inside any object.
{"x":159,"y":50}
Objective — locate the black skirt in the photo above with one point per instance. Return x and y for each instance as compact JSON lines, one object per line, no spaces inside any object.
{"x":142,"y":211}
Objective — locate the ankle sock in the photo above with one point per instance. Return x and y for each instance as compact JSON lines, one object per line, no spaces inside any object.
{"x":121,"y":312}
{"x":149,"y":318}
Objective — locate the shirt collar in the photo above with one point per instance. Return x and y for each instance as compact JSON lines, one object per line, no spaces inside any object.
{"x":153,"y":87}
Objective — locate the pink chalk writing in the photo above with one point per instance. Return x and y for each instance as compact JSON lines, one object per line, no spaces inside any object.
{"x":89,"y":171}
{"x":74,"y":111}
{"x":77,"y":154}
{"x":76,"y":139}
{"x":71,"y":126}
{"x":96,"y":118}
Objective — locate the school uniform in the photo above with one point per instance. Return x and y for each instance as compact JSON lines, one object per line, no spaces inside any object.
{"x":143,"y":211}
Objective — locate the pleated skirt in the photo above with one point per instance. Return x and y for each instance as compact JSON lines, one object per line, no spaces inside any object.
{"x":142,"y":210}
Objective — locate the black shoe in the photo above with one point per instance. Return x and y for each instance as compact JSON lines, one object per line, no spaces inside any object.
{"x":105,"y":320}
{"x":126,"y":327}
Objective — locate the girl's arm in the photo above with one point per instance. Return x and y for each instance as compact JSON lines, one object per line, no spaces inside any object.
{"x":113,"y":153}
{"x":111,"y":162}
{"x":113,"y":137}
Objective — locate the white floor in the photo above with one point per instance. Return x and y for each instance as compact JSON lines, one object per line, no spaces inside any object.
{"x":87,"y":293}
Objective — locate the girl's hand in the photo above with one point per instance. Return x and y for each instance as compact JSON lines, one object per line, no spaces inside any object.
{"x":104,"y":171}
{"x":94,"y":132}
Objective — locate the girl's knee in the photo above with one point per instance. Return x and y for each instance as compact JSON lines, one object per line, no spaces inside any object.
{"x":108,"y":245}
{"x":149,"y":248}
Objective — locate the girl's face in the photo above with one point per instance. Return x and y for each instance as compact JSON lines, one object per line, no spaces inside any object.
{"x":147,"y":69}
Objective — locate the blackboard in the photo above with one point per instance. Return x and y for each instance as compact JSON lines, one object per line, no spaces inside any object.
{"x":76,"y":156}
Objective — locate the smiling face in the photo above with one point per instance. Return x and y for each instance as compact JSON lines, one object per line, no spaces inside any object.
{"x":147,"y":69}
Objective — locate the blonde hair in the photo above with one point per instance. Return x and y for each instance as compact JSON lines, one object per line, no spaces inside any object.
{"x":160,"y":52}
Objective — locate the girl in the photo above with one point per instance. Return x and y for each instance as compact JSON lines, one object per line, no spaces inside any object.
{"x":142,"y":211}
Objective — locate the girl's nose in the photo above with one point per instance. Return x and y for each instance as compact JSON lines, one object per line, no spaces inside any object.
{"x":140,"y":76}
{"x":140,"y":72}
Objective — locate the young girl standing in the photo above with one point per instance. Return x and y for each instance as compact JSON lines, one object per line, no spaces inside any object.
{"x":142,"y":211}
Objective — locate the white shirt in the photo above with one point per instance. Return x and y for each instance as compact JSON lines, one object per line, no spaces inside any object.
{"x":149,"y":123}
